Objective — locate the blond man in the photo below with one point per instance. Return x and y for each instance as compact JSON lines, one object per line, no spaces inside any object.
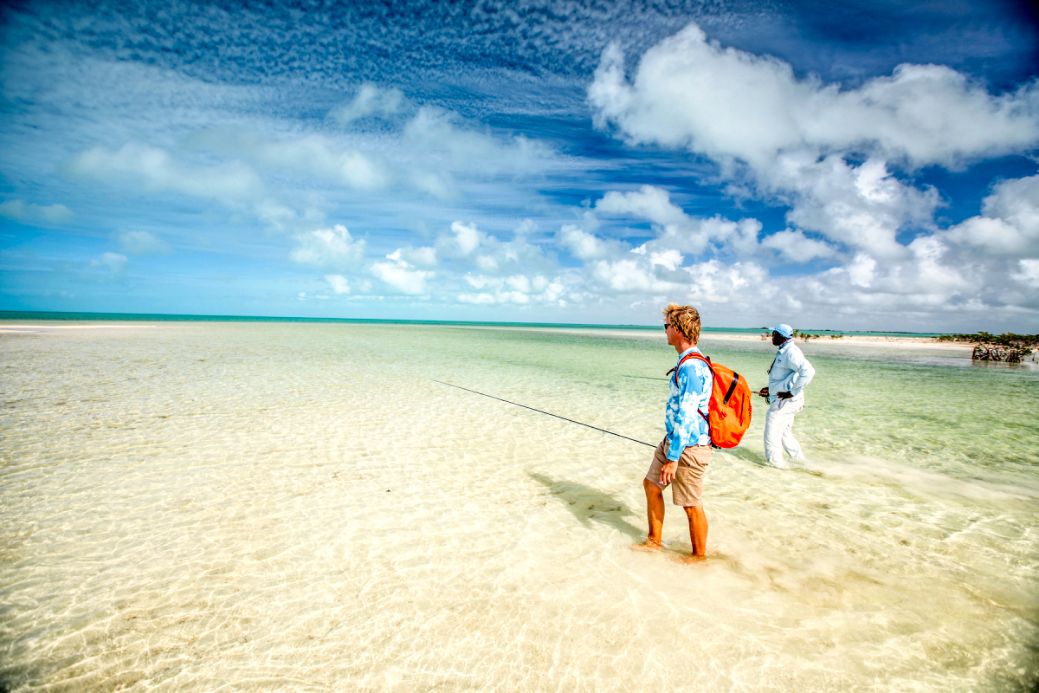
{"x":681,"y":459}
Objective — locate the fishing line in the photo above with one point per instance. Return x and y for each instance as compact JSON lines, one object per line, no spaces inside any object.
{"x":548,"y":413}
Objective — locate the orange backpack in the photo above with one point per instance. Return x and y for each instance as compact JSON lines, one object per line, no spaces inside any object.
{"x":729,"y":412}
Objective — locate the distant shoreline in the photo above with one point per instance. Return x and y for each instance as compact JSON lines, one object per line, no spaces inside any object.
{"x":905,"y":341}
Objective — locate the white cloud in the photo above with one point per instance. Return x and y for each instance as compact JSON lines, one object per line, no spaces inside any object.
{"x":142,"y":243}
{"x":466,"y":238}
{"x":795,"y":246}
{"x":1009,"y":223}
{"x":369,"y":101}
{"x":1027,"y":273}
{"x":312,"y":155}
{"x":861,"y":206}
{"x":333,"y":248}
{"x":729,"y":104}
{"x":631,"y":275}
{"x":649,"y":202}
{"x":668,"y":259}
{"x":23,"y":211}
{"x":399,"y":274}
{"x":154,"y":169}
{"x":516,"y":289}
{"x":424,"y":256}
{"x":338,"y":283}
{"x":861,"y":270}
{"x":676,"y":231}
{"x":583,"y":245}
{"x":798,"y":140}
{"x":722,"y":284}
{"x":526,"y":227}
{"x":439,"y":140}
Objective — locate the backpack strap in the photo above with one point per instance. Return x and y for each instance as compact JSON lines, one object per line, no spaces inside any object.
{"x":706,"y":359}
{"x":693,"y":355}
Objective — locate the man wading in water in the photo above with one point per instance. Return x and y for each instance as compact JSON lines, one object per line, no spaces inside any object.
{"x":684,"y":453}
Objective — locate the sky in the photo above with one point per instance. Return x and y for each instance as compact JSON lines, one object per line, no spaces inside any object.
{"x":864,"y":165}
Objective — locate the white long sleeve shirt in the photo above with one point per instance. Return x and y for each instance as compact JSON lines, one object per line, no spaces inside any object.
{"x":790,"y":372}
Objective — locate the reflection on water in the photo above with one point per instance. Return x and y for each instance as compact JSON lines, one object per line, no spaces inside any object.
{"x":258,"y":506}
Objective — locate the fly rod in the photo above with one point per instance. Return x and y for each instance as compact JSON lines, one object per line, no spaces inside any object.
{"x":547,"y":413}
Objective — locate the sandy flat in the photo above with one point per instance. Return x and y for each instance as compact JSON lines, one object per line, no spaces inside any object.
{"x":899,"y":342}
{"x":848,"y":340}
{"x":856,"y":340}
{"x":51,"y":328}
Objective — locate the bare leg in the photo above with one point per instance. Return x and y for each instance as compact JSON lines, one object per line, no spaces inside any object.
{"x":697,"y":531}
{"x":654,"y":515}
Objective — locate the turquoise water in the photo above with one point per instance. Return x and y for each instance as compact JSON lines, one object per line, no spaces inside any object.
{"x":269,"y":505}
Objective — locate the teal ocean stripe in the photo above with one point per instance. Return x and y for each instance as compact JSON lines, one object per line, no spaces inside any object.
{"x":165,"y":317}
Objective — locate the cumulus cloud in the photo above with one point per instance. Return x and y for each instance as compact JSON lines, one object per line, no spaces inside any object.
{"x":516,"y":289}
{"x":675,"y":230}
{"x":861,"y":206}
{"x":466,"y":238}
{"x":584,"y":245}
{"x":338,"y":283}
{"x":824,"y":151}
{"x":729,"y":104}
{"x":1009,"y":222}
{"x":424,"y":256}
{"x":332,"y":248}
{"x":795,"y":246}
{"x":841,"y":160}
{"x":20,"y":210}
{"x":631,"y":275}
{"x":142,"y":243}
{"x":401,"y":275}
{"x":1027,"y":273}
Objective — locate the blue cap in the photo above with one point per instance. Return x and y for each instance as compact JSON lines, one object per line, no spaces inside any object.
{"x":784,"y":329}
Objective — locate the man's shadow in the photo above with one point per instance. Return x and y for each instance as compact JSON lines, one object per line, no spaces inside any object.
{"x":590,"y":505}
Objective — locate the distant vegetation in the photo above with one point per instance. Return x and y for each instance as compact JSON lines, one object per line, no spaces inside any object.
{"x":798,"y":334}
{"x":1008,"y":347}
{"x":1007,"y":339}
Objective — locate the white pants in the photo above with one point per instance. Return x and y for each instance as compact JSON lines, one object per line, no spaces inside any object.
{"x":779,"y":431}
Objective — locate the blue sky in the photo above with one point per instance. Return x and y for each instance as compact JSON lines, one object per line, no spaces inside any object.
{"x":860,"y":165}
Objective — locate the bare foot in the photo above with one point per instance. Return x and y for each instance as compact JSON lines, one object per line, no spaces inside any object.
{"x":647,"y":545}
{"x":690,"y":558}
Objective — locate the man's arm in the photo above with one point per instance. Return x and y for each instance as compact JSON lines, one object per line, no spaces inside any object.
{"x":685,"y":426}
{"x":802,"y":375}
{"x":693,"y":381}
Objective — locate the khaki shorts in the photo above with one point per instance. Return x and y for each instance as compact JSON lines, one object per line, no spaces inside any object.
{"x":687,"y":488}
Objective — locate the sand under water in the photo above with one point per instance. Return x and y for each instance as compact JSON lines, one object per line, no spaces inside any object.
{"x":191,"y":506}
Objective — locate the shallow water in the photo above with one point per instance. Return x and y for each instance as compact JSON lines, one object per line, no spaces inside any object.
{"x":254,"y":506}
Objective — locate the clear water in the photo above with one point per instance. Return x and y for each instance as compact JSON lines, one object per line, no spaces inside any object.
{"x":191,"y":506}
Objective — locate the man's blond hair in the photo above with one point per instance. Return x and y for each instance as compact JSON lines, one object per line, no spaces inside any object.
{"x":685,"y":319}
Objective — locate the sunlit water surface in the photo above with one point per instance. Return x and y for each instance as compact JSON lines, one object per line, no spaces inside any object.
{"x":195,"y":506}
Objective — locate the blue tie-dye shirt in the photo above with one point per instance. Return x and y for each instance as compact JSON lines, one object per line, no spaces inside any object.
{"x":690,"y":395}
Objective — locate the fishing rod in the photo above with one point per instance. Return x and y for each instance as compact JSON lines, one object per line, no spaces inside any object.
{"x":547,"y":413}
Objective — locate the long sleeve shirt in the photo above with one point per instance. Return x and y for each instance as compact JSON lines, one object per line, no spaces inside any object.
{"x":690,"y":394}
{"x":790,"y":372}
